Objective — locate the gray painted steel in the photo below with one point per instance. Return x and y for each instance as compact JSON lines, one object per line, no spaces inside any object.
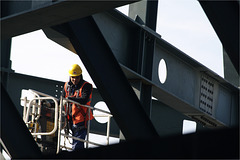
{"x":32,"y":16}
{"x":145,"y":11}
{"x":182,"y":89}
{"x":13,"y":129}
{"x":224,"y":17}
{"x":190,"y":88}
{"x":110,"y":80}
{"x":184,"y":75}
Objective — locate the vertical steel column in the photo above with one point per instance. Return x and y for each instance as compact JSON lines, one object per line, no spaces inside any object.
{"x":6,"y":9}
{"x":110,"y":80}
{"x":5,"y":60}
{"x":146,"y":71}
{"x":147,"y":11}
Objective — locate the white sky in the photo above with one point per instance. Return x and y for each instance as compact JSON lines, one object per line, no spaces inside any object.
{"x":180,"y":22}
{"x":184,"y":24}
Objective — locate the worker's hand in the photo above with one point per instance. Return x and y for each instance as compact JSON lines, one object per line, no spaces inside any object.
{"x":64,"y":102}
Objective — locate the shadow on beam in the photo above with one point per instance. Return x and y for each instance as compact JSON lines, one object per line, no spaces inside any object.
{"x":217,"y":144}
{"x":14,"y":133}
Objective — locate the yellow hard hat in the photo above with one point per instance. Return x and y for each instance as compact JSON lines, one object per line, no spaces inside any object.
{"x":75,"y":70}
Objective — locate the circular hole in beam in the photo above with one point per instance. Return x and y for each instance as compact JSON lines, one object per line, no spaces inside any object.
{"x":162,"y":71}
{"x":100,"y":116}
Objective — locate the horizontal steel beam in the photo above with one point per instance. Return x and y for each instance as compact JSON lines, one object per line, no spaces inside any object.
{"x":51,"y":14}
{"x":188,"y":86}
{"x":218,"y":144}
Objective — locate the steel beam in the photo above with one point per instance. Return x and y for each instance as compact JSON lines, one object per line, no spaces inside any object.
{"x":218,"y":144}
{"x":185,"y":83}
{"x":230,"y":73}
{"x":49,"y":14}
{"x":182,"y":89}
{"x":148,"y":45}
{"x":14,"y":132}
{"x":110,"y":80}
{"x":224,"y":17}
{"x":146,"y":10}
{"x":198,"y":92}
{"x":5,"y":60}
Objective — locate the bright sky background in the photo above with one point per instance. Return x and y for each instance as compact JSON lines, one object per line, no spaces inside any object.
{"x":180,"y":22}
{"x":184,"y":24}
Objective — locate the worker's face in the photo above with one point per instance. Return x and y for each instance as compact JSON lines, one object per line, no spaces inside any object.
{"x":75,"y":80}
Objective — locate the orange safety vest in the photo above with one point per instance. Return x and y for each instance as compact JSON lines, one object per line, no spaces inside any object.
{"x":79,"y":113}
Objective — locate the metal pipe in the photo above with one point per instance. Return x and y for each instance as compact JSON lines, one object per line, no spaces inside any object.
{"x":102,"y":115}
{"x":33,"y":111}
{"x":34,"y":124}
{"x":60,"y":117}
{"x":108,"y":129}
{"x":88,"y":127}
{"x":55,"y":116}
{"x":27,"y":114}
{"x":24,"y":107}
{"x":42,"y":94}
{"x":108,"y":124}
{"x":38,"y":111}
{"x":92,"y":108}
{"x":59,"y":125}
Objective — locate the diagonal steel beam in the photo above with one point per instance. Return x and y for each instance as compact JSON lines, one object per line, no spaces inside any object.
{"x":224,"y":17}
{"x":110,"y":79}
{"x":14,"y":132}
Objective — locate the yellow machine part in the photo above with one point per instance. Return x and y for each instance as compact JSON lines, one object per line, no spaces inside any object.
{"x":49,"y":127}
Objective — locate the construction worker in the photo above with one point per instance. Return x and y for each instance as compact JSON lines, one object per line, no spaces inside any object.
{"x":78,"y":90}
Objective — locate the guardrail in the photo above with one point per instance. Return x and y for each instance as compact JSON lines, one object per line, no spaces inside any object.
{"x":33,"y":108}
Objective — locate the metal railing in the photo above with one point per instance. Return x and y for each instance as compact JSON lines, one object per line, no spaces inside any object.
{"x":32,"y":109}
{"x":34,"y":106}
